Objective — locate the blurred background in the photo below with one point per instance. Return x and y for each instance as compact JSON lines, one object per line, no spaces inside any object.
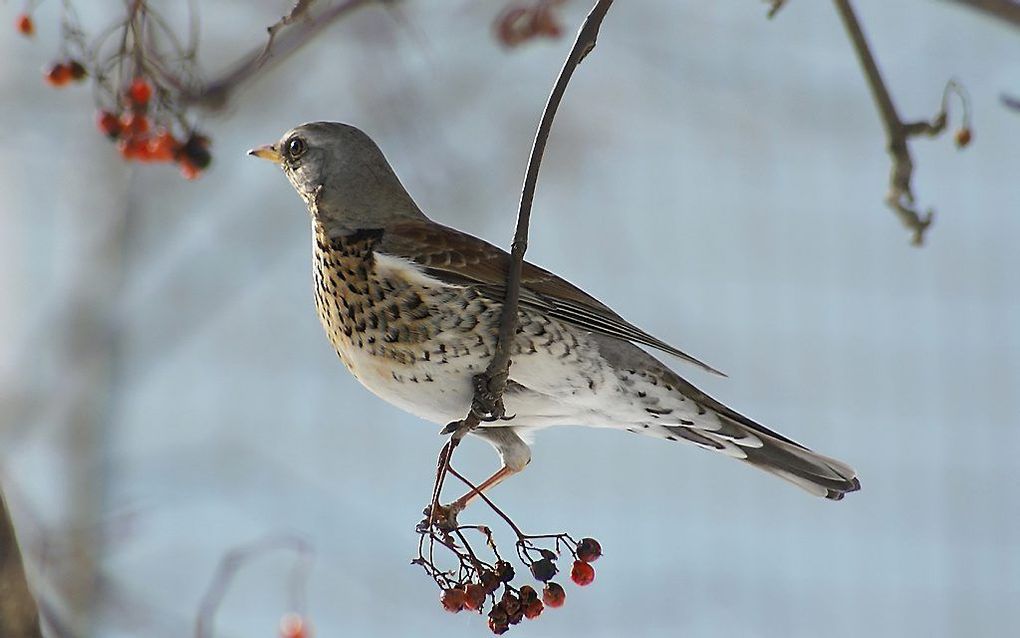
{"x":168,"y":394}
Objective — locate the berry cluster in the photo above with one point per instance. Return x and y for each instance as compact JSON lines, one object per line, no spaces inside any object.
{"x":138,"y":90}
{"x":476,"y":581}
{"x":138,"y":140}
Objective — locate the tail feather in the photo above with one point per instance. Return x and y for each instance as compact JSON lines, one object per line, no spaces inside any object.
{"x":778,"y":455}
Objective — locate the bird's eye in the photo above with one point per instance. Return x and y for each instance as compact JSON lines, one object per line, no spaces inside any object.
{"x":295,"y":147}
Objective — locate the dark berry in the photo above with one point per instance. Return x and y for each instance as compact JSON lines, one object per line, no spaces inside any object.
{"x":533,"y":609}
{"x":489,"y":581}
{"x":504,"y":571}
{"x":527,"y":594}
{"x":195,"y":151}
{"x":553,"y":595}
{"x":582,"y":573}
{"x":78,"y":71}
{"x":109,"y":124}
{"x":589,"y":550}
{"x":543,"y":569}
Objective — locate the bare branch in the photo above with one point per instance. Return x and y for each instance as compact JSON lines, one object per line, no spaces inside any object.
{"x":900,"y":197}
{"x":215,"y":94}
{"x":19,"y":616}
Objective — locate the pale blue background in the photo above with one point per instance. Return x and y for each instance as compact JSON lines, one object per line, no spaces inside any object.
{"x":716,"y":177}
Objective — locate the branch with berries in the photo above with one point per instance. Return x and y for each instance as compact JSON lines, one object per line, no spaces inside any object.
{"x":473,"y":578}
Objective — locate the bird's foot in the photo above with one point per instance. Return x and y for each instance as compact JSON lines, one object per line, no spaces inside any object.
{"x":486,"y":405}
{"x":444,"y":520}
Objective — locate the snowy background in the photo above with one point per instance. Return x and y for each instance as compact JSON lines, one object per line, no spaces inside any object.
{"x":715,"y":177}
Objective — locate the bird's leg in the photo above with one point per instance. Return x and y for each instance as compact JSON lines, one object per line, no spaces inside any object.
{"x":502,"y":474}
{"x":514,"y":453}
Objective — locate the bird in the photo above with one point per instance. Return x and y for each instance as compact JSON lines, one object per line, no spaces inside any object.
{"x":412,"y":307}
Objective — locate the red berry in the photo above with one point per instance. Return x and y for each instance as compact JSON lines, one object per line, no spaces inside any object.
{"x":474,"y":597}
{"x":589,"y":550}
{"x":553,"y":595}
{"x":135,"y":124}
{"x":294,"y":626}
{"x":533,"y":609}
{"x":582,"y":573}
{"x":58,"y":74}
{"x":109,"y":124}
{"x":134,"y":148}
{"x":25,"y":25}
{"x":140,"y":92}
{"x":453,"y":600}
{"x":77,"y":70}
{"x":163,"y":147}
{"x":189,"y":170}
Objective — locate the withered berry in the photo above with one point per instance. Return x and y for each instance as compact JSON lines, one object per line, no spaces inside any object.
{"x":504,"y":571}
{"x":582,"y":573}
{"x":543,"y":569}
{"x":78,"y":71}
{"x":533,"y":609}
{"x":963,"y":137}
{"x":489,"y":580}
{"x":527,"y":594}
{"x":553,"y":595}
{"x":589,"y":550}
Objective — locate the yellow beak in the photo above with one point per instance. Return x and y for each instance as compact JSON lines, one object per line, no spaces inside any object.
{"x":267,"y":152}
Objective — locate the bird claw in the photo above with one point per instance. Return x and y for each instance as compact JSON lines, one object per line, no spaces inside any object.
{"x":485,"y":405}
{"x":445,"y":519}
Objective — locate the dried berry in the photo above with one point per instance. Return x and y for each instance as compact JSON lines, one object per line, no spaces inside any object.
{"x":533,"y":609}
{"x":504,"y":571}
{"x":527,"y":594}
{"x":582,"y":573}
{"x":963,"y":137}
{"x":25,"y":25}
{"x":453,"y":600}
{"x":498,"y":628}
{"x":589,"y":550}
{"x":543,"y":569}
{"x":78,"y":71}
{"x":510,"y":603}
{"x":553,"y":595}
{"x":489,"y":581}
{"x":499,"y":621}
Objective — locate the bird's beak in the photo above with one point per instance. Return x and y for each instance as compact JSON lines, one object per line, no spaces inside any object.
{"x":267,"y":152}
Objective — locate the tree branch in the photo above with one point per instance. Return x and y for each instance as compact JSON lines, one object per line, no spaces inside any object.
{"x":216,"y":93}
{"x":19,"y":616}
{"x":900,"y":197}
{"x":489,"y":386}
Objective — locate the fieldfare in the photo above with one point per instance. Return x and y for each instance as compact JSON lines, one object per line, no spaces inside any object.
{"x":413,"y":309}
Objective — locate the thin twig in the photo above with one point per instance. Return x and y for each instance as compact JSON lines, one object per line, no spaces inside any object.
{"x":216,"y":93}
{"x":900,"y":197}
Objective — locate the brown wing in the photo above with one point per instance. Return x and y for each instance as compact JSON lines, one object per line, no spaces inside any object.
{"x":460,"y":259}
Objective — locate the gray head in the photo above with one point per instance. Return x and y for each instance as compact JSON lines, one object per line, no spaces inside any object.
{"x":342,"y":175}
